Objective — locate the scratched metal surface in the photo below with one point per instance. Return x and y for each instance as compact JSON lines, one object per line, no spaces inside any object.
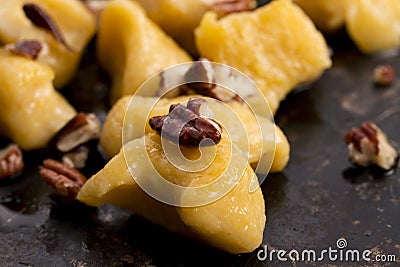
{"x":318,"y":198}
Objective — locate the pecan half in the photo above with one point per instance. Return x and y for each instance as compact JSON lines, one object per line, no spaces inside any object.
{"x":65,"y":181}
{"x":26,"y":48}
{"x":384,"y":75}
{"x":226,"y":7}
{"x":184,"y":125}
{"x":11,"y":161}
{"x":79,"y":130}
{"x":41,"y":19}
{"x":369,"y":145}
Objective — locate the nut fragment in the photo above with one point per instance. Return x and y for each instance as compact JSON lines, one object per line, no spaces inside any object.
{"x":76,"y":158}
{"x":218,"y":81}
{"x":26,"y":48}
{"x":79,"y":130}
{"x":11,"y":161}
{"x":65,"y":181}
{"x":41,"y":19}
{"x":369,"y":145}
{"x":96,"y":6}
{"x":200,"y":77}
{"x":170,"y":79}
{"x":384,"y":75}
{"x":184,"y":125}
{"x":225,"y":7}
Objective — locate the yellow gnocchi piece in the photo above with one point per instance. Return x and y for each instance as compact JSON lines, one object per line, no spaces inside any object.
{"x":111,"y":134}
{"x":186,"y":14}
{"x":32,"y":111}
{"x":233,"y":223}
{"x":373,"y":25}
{"x":76,"y":23}
{"x":328,"y":15}
{"x":131,"y":47}
{"x":276,"y":45}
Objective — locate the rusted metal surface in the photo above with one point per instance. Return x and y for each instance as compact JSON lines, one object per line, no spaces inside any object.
{"x":319,"y":198}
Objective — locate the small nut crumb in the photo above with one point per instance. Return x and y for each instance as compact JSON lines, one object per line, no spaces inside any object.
{"x":26,"y":48}
{"x":65,"y":181}
{"x":369,"y":145}
{"x":41,"y":19}
{"x":384,"y":75}
{"x":11,"y":161}
{"x":76,"y":158}
{"x":184,"y":125}
{"x":79,"y":130}
{"x":226,"y":7}
{"x":96,"y":6}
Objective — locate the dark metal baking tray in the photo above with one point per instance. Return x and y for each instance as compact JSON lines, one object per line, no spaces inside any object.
{"x":319,"y":198}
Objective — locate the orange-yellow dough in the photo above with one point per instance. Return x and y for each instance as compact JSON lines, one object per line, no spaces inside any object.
{"x":32,"y":111}
{"x":276,"y":45}
{"x":76,"y":23}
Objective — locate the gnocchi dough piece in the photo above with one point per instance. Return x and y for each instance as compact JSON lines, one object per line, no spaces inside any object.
{"x":276,"y":45}
{"x":328,"y":15}
{"x":373,"y":25}
{"x":76,"y":23}
{"x":111,"y":134}
{"x":131,"y":47}
{"x":233,"y":223}
{"x":32,"y":111}
{"x":186,"y":16}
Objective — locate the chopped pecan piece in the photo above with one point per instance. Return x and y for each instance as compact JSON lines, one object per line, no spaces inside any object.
{"x":170,"y":81}
{"x":200,"y":77}
{"x":41,"y":19}
{"x":65,"y":181}
{"x":369,"y":145}
{"x":206,"y":80}
{"x":79,"y":130}
{"x":27,"y":48}
{"x":184,"y":125}
{"x":76,"y":158}
{"x":11,"y":161}
{"x":384,"y":75}
{"x":231,"y":6}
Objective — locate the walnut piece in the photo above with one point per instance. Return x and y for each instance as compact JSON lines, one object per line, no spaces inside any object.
{"x":11,"y":161}
{"x":41,"y":19}
{"x":65,"y":181}
{"x":79,"y":130}
{"x":384,"y":75}
{"x":369,"y":145}
{"x":26,"y":48}
{"x":185,"y":126}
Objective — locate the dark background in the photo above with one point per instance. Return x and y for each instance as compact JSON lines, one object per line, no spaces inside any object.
{"x":319,"y":198}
